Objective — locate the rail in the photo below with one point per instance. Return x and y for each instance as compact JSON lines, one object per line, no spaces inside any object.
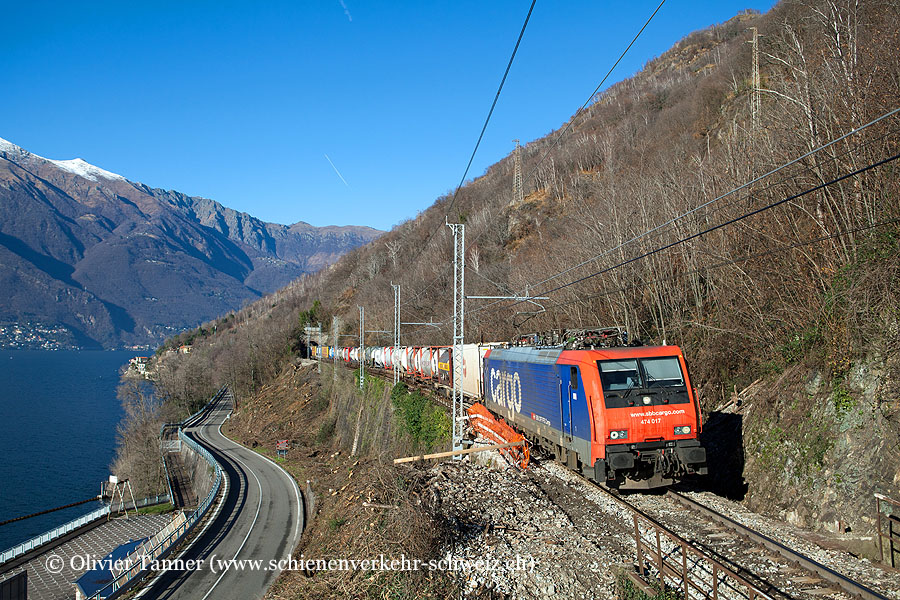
{"x":675,"y":564}
{"x":137,"y":563}
{"x":66,"y":528}
{"x":853,"y":588}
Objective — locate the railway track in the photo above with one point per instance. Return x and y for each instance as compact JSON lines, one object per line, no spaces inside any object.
{"x":438,"y":391}
{"x":703,"y":553}
{"x":851,"y":587}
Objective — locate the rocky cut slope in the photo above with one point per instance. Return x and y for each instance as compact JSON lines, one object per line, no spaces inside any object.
{"x":119,"y":263}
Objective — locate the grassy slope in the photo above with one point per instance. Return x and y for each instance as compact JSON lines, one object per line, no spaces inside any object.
{"x":304,"y":408}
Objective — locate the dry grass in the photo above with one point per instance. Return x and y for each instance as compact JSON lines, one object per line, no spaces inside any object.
{"x":365,"y":507}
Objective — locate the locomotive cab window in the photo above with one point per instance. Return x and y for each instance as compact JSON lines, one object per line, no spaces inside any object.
{"x":647,"y":380}
{"x":618,"y":374}
{"x":662,"y":372}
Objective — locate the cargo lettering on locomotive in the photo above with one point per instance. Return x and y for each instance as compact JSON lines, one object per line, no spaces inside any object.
{"x":506,"y":389}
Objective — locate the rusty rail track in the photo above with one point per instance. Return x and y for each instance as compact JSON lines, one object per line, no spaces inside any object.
{"x":846,"y":584}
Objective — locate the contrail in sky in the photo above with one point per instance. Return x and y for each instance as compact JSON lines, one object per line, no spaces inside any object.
{"x":336,"y":171}
{"x":346,"y":10}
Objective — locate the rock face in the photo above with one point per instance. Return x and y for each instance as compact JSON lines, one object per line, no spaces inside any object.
{"x":118,"y":263}
{"x":813,"y":453}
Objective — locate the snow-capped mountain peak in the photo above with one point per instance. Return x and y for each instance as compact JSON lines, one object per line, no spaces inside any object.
{"x":85,"y":169}
{"x":76,"y":166}
{"x":9,"y":147}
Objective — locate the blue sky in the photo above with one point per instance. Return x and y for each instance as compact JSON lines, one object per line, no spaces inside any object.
{"x":250,"y":103}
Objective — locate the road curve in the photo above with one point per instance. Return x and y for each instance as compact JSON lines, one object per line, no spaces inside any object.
{"x":259,"y":516}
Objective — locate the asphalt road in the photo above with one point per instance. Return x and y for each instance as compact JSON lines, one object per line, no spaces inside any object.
{"x":259,"y":517}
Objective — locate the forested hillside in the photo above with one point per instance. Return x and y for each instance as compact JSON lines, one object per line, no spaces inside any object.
{"x":754,"y":225}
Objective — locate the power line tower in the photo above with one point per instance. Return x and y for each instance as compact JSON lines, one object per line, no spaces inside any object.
{"x":459,"y":314}
{"x":755,"y":104}
{"x":334,"y":341}
{"x":362,"y":347}
{"x":396,"y":326}
{"x":518,"y":188}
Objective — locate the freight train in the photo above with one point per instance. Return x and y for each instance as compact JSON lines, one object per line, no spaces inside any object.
{"x":623,"y":415}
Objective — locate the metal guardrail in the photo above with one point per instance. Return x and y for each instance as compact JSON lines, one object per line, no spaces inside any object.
{"x":892,"y":535}
{"x":66,"y":528}
{"x":675,"y":564}
{"x":218,"y":395}
{"x":161,"y":544}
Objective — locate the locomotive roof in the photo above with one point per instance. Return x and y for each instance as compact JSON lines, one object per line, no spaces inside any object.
{"x":634,"y":351}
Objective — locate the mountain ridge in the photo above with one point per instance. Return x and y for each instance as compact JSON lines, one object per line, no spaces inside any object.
{"x":122,"y":263}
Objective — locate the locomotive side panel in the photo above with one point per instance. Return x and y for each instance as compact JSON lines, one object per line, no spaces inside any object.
{"x":523,"y":385}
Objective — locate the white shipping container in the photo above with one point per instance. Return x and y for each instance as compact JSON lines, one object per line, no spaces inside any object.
{"x":471,"y":370}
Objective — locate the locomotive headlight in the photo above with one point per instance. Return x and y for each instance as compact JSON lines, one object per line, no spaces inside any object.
{"x":647,"y":400}
{"x":683,"y":430}
{"x":618,"y":435}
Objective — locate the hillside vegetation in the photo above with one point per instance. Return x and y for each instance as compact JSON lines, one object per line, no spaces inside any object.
{"x":663,"y":208}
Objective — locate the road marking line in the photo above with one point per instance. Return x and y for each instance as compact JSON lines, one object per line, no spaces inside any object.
{"x":294,"y":484}
{"x":253,"y":524}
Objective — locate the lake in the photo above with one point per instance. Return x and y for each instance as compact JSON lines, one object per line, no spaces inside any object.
{"x":58,"y":417}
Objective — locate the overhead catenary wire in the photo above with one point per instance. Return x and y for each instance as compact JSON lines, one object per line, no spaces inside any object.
{"x":720,"y":197}
{"x":716,"y":227}
{"x":708,"y":230}
{"x":729,"y":262}
{"x":487,"y":119}
{"x":593,"y":94}
{"x":578,"y":112}
{"x":673,"y":220}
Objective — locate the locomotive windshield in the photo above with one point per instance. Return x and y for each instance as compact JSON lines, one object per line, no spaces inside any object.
{"x":627,"y":382}
{"x":662,"y":372}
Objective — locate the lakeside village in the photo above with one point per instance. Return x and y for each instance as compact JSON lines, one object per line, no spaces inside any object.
{"x":36,"y":336}
{"x":145,"y":367}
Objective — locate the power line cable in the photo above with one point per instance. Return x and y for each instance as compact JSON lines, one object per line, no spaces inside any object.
{"x":654,"y":232}
{"x":808,"y":169}
{"x":729,"y":262}
{"x":578,"y":112}
{"x":593,"y":94}
{"x":486,"y":121}
{"x":493,"y":105}
{"x":657,"y":231}
{"x":732,"y":221}
{"x":674,"y":219}
{"x":725,"y":195}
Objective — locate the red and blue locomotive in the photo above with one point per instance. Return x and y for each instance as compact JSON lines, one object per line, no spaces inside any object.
{"x":625,"y":416}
